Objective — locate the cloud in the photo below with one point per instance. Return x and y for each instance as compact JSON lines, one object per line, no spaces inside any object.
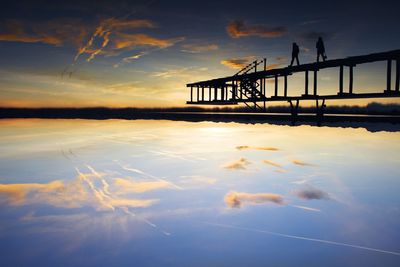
{"x":88,"y":38}
{"x":123,"y":40}
{"x":256,"y":148}
{"x":237,"y":164}
{"x":309,"y":193}
{"x":301,"y":163}
{"x":238,"y":28}
{"x":237,"y":63}
{"x":103,"y":32}
{"x":198,"y":48}
{"x":53,"y":32}
{"x":269,"y":162}
{"x":237,"y":199}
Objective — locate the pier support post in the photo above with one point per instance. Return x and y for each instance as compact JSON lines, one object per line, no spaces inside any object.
{"x":294,"y":109}
{"x":215,"y":93}
{"x":389,"y":76}
{"x":209,"y":93}
{"x":320,"y":110}
{"x":306,"y":83}
{"x":191,"y":93}
{"x":276,"y":85}
{"x":397,"y":75}
{"x":285,"y":86}
{"x":341,"y":80}
{"x":202,"y":93}
{"x":351,"y":80}
{"x":315,"y":81}
{"x":198,"y":95}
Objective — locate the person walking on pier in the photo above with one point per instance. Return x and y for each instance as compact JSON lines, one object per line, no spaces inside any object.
{"x":320,"y":49}
{"x":295,"y":54}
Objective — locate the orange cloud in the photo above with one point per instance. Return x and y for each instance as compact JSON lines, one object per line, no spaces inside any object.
{"x":123,"y":40}
{"x":236,"y":199}
{"x":237,"y":29}
{"x":237,"y":63}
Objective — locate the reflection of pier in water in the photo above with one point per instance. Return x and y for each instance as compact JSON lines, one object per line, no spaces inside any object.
{"x":248,"y":86}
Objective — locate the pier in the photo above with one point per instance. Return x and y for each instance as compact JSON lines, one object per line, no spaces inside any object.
{"x":248,"y":86}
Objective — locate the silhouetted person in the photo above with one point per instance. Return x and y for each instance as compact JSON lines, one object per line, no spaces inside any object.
{"x":295,"y":54}
{"x":320,"y":49}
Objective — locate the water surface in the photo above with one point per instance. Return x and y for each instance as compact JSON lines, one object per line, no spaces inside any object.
{"x":170,"y":193}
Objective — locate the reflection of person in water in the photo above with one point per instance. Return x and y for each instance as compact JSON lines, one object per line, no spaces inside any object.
{"x":295,"y":54}
{"x":320,"y":49}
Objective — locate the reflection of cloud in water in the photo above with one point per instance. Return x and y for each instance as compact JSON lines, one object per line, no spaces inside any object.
{"x":237,"y":164}
{"x":130,"y":169}
{"x":236,"y":199}
{"x":270,"y":162}
{"x":256,"y":148}
{"x":198,"y":179}
{"x":306,"y":208}
{"x":127,"y":186}
{"x":88,"y":189}
{"x":301,"y":163}
{"x":310,"y":193}
{"x":176,"y":155}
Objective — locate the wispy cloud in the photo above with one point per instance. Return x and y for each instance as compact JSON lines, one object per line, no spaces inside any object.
{"x":237,"y":199}
{"x":239,"y":164}
{"x":239,"y":28}
{"x":103,"y":31}
{"x":256,"y":148}
{"x":309,"y":193}
{"x":199,"y":48}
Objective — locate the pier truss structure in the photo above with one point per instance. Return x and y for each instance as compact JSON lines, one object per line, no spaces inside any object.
{"x":249,"y":85}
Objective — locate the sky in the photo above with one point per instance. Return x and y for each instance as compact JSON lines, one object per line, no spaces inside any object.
{"x":143,"y":53}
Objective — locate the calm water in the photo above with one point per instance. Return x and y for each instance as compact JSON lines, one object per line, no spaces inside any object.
{"x":163,"y":193}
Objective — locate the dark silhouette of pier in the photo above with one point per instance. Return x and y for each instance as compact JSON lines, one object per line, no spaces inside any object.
{"x":248,"y":86}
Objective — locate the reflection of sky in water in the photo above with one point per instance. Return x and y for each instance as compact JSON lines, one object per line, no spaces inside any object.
{"x":160,"y":193}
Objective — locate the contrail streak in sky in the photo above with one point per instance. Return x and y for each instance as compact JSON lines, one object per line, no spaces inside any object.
{"x":303,"y":238}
